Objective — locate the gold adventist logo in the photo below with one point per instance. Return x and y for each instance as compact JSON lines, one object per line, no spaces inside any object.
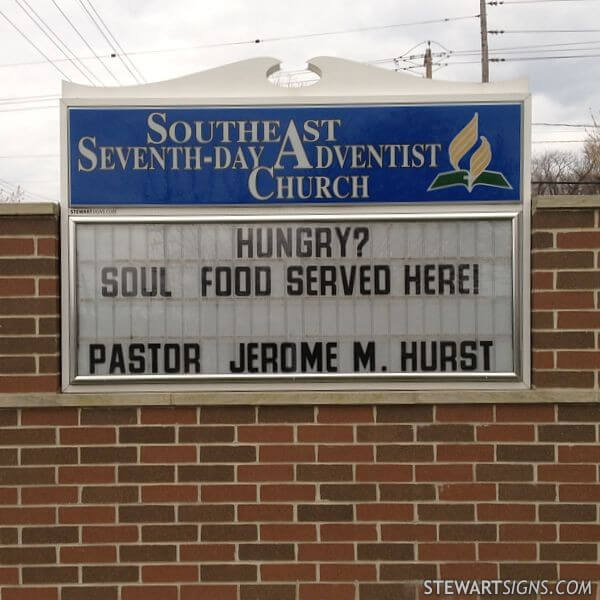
{"x":480,"y":159}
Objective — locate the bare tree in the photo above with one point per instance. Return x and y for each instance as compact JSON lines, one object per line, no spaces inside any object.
{"x":12,"y":196}
{"x":560,"y":172}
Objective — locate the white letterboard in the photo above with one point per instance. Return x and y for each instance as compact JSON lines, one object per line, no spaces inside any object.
{"x":389,"y":297}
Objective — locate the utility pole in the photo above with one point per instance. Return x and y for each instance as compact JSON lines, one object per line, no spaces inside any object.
{"x":428,"y":62}
{"x":485,"y":65}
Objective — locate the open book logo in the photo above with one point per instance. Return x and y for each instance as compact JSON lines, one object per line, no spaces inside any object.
{"x":477,"y":174}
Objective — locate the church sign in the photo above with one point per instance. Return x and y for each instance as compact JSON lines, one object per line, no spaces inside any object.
{"x":294,"y":242}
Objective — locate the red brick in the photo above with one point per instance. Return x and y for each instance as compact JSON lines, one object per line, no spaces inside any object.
{"x":505,"y":433}
{"x":27,"y":475}
{"x":579,"y":493}
{"x":227,"y":415}
{"x":409,"y":532}
{"x":567,"y":472}
{"x":27,"y":516}
{"x":465,"y":452}
{"x":301,"y":532}
{"x":324,"y":591}
{"x":506,"y":512}
{"x":446,"y":512}
{"x":207,"y":552}
{"x":542,"y":320}
{"x":287,"y":493}
{"x":169,"y":573}
{"x":286,"y":414}
{"x":168,"y":454}
{"x":259,"y":473}
{"x":562,"y":260}
{"x":86,"y":514}
{"x":86,"y":474}
{"x":558,"y":300}
{"x":347,"y":572}
{"x":384,"y":512}
{"x":333,"y":532}
{"x":579,"y":533}
{"x":208,"y":592}
{"x":267,"y":592}
{"x":512,"y":552}
{"x":448,"y":472}
{"x":49,"y":495}
{"x":13,"y":384}
{"x":229,"y":533}
{"x":563,"y":379}
{"x":87,"y":435}
{"x":578,"y":239}
{"x":542,"y":360}
{"x":228,"y":572}
{"x":525,"y":532}
{"x":571,"y":319}
{"x":30,"y":593}
{"x":265,"y":512}
{"x":16,"y":246}
{"x":542,"y":239}
{"x":467,"y":491}
{"x":9,"y":495}
{"x":581,"y":572}
{"x":542,"y":280}
{"x":48,"y":287}
{"x":169,"y":493}
{"x":47,"y":246}
{"x":341,"y":453}
{"x":149,"y":592}
{"x":517,"y":413}
{"x":325,"y":552}
{"x":107,"y":534}
{"x":391,"y":453}
{"x":384,"y":433}
{"x":48,"y":456}
{"x":279,"y":453}
{"x":253,"y":434}
{"x":9,"y":576}
{"x":163,"y":415}
{"x":88,"y":554}
{"x":325,"y":433}
{"x":464,"y":413}
{"x":345,"y":414}
{"x":445,"y":552}
{"x":17,"y":326}
{"x":228,"y":493}
{"x":14,"y":286}
{"x":288,"y":572}
{"x":471,"y":571}
{"x":384,"y":472}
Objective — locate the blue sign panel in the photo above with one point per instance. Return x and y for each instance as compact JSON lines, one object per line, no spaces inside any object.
{"x":290,"y":155}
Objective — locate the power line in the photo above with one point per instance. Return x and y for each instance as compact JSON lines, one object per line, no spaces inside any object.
{"x":501,"y":2}
{"x":116,"y":42}
{"x":48,"y":59}
{"x":564,"y":125}
{"x":558,"y":142}
{"x":60,"y":42}
{"x":255,"y":41}
{"x":502,"y":31}
{"x":84,"y":40}
{"x":89,"y":14}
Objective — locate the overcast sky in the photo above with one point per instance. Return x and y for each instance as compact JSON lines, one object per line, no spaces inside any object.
{"x":167,"y":39}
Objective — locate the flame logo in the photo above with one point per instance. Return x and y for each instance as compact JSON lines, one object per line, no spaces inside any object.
{"x":464,"y":141}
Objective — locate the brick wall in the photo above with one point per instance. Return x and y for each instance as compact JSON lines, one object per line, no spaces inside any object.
{"x":301,"y":502}
{"x":246,"y":503}
{"x":565,"y":299}
{"x":29,"y":300}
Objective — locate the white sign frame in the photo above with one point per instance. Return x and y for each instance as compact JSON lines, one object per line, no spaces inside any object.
{"x":246,"y":84}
